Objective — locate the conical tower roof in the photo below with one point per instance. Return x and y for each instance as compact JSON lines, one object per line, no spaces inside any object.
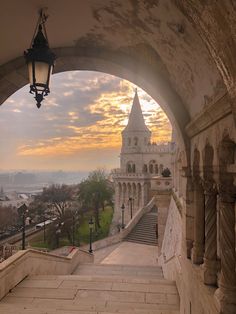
{"x":136,"y":121}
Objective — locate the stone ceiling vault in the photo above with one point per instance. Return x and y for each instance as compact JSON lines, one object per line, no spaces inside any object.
{"x":161,"y":46}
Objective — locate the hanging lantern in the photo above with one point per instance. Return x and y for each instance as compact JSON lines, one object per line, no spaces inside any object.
{"x":40,"y":60}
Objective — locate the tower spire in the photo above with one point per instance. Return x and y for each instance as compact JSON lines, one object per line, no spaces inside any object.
{"x":136,"y":121}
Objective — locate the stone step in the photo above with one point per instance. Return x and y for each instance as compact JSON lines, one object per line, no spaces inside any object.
{"x":51,"y":279}
{"x":142,"y":242}
{"x":144,"y":232}
{"x":151,"y":220}
{"x":64,"y":309}
{"x":71,"y":294}
{"x":136,"y":238}
{"x":148,"y":226}
{"x":150,"y":229}
{"x":142,"y":237}
{"x":122,"y":267}
{"x":147,"y":222}
{"x":119,"y":270}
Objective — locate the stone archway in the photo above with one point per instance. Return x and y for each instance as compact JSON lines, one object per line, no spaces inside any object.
{"x":88,"y":58}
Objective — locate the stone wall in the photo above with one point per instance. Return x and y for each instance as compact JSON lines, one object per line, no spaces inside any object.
{"x":162,"y":203}
{"x":159,"y":183}
{"x":195,"y":297}
{"x":30,"y":262}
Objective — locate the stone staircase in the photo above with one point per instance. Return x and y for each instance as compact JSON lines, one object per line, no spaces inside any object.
{"x":95,"y":289}
{"x":145,"y":230}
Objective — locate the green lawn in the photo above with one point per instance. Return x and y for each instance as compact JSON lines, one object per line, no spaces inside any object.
{"x":82,"y":232}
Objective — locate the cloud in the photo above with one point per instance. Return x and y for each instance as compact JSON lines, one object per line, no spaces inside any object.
{"x":69,"y":93}
{"x":85,"y":111}
{"x":16,"y":110}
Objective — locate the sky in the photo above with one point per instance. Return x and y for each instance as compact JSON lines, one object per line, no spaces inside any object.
{"x":78,"y":126}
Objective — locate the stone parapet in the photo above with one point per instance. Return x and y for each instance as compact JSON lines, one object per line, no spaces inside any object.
{"x":124,"y":175}
{"x":32,"y":262}
{"x":164,"y":148}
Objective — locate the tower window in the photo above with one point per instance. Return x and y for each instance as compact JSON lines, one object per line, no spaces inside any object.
{"x":151,"y":168}
{"x":145,"y":169}
{"x":152,"y":165}
{"x":131,"y":167}
{"x":134,"y":170}
{"x":135,"y":141}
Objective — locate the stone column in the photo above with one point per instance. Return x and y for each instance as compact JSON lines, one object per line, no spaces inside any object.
{"x":189,"y":233}
{"x":139,"y":196}
{"x":199,"y":222}
{"x":226,"y":294}
{"x":123,"y":194}
{"x":144,"y":194}
{"x":120,"y":195}
{"x":117,"y":194}
{"x":210,"y":255}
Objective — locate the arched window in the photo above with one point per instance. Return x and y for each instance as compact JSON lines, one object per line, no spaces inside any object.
{"x":152,"y":166}
{"x":133,"y":168}
{"x":129,"y":168}
{"x":145,"y":168}
{"x":135,"y":141}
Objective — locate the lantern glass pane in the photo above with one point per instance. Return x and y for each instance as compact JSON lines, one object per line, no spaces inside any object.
{"x":30,"y":70}
{"x":41,"y":74}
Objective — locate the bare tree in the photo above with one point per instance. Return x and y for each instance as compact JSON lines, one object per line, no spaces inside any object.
{"x":8,"y":217}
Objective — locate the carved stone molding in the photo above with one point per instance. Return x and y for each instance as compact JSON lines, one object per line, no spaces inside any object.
{"x":212,"y":113}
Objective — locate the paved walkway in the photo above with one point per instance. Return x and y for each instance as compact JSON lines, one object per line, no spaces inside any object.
{"x":128,"y":253}
{"x":100,"y":254}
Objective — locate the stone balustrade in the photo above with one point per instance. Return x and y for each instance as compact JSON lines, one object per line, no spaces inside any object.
{"x":32,"y":262}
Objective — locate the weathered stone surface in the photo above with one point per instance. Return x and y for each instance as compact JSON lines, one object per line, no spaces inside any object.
{"x":95,"y":293}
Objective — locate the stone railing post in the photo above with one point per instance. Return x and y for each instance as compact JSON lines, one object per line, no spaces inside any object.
{"x":210,"y":255}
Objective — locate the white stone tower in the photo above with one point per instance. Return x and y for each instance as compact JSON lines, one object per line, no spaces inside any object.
{"x":135,"y":138}
{"x":141,"y":163}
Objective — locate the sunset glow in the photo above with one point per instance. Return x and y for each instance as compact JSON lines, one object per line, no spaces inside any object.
{"x":83,"y":116}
